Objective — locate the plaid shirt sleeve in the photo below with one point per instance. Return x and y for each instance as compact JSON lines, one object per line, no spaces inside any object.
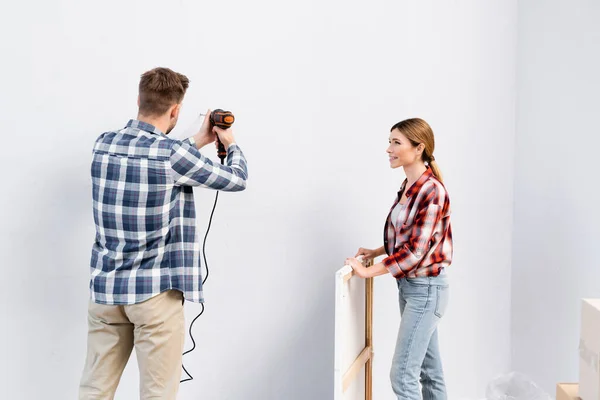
{"x":414,"y":249}
{"x":190,"y":168}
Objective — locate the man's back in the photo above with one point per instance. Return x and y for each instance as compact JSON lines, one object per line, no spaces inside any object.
{"x":146,"y":255}
{"x":146,"y":239}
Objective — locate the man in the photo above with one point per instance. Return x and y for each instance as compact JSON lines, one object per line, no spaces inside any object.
{"x":146,"y":255}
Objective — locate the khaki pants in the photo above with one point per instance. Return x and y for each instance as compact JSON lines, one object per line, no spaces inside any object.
{"x":156,"y":329}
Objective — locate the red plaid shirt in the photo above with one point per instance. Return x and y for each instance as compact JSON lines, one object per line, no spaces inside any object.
{"x":421,"y":245}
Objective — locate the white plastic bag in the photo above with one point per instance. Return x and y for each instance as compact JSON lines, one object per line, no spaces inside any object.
{"x":514,"y":386}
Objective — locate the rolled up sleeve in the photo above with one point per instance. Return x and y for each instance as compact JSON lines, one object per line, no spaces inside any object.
{"x":191,"y":168}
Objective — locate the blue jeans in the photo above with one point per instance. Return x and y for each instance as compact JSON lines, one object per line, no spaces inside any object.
{"x":423,"y":302}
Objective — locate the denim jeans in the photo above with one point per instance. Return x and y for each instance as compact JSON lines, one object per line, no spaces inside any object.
{"x":423,"y":302}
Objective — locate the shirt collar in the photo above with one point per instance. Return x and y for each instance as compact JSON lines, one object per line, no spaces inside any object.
{"x":419,"y":183}
{"x":144,"y":126}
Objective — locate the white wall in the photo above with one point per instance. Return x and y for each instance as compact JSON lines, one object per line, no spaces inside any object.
{"x":315,"y":87}
{"x":457,"y":69}
{"x":557,"y":219}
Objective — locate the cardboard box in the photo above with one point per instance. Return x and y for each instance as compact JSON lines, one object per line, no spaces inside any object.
{"x":567,"y":391}
{"x":589,"y":350}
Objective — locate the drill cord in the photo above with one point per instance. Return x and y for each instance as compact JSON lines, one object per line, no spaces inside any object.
{"x":204,"y":280}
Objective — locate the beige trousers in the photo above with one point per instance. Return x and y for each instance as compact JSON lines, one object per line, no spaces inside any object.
{"x":155,"y":327}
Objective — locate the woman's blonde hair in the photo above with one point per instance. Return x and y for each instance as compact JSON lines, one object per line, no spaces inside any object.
{"x":418,"y":131}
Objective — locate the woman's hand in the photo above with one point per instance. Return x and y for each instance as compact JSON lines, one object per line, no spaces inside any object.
{"x":364,"y":272}
{"x":358,"y":267}
{"x":367,"y":254}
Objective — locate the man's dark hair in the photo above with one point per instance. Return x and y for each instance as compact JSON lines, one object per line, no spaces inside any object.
{"x":160,"y":88}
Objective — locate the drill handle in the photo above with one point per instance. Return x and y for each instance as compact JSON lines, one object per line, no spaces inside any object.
{"x":221,"y":152}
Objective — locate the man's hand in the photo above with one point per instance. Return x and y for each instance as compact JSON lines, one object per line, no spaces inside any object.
{"x":205,"y":135}
{"x":225,"y":136}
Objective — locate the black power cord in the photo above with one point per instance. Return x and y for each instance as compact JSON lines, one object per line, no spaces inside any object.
{"x":190,"y":377}
{"x":202,"y":304}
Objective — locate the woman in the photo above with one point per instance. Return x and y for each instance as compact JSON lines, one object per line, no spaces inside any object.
{"x":418,"y":244}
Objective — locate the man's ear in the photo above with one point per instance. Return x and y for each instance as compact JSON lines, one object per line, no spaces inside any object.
{"x":175,"y":111}
{"x":138,"y":101}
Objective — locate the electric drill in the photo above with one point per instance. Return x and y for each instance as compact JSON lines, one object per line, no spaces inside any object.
{"x":222,"y":119}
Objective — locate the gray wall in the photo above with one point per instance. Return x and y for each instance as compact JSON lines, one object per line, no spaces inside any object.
{"x":557,"y":218}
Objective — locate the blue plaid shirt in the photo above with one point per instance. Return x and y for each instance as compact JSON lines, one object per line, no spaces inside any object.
{"x":146,"y":240}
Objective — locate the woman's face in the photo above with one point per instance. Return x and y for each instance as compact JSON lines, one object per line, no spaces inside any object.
{"x":401,"y":151}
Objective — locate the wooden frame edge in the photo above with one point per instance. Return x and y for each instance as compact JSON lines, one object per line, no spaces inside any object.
{"x":366,"y":355}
